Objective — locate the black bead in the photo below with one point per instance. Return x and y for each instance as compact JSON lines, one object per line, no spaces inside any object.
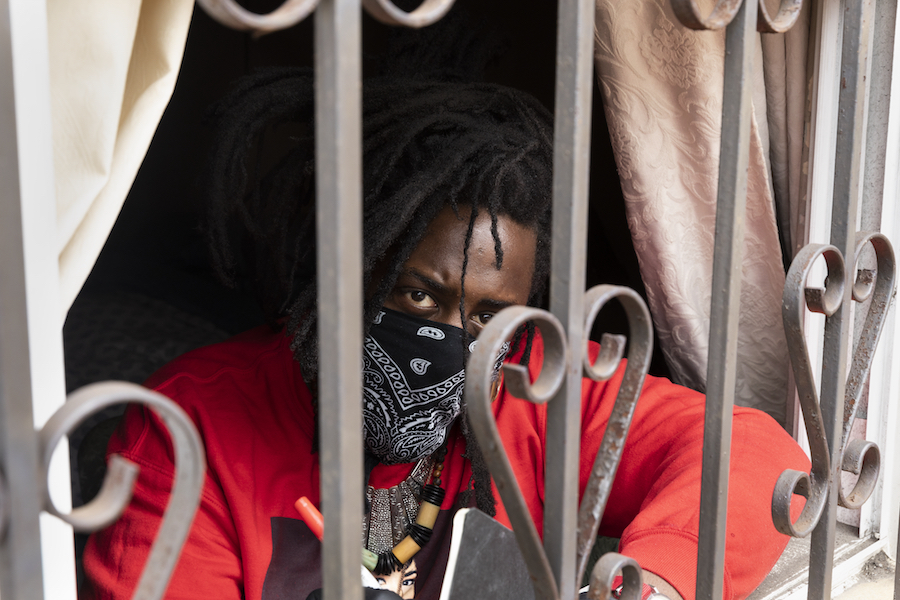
{"x":432,"y":494}
{"x":419,"y":534}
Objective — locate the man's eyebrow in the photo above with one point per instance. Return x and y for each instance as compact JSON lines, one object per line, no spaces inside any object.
{"x":497,"y":305}
{"x":435,"y":285}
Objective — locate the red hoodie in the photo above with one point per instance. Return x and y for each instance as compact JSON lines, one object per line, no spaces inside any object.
{"x":253,"y":410}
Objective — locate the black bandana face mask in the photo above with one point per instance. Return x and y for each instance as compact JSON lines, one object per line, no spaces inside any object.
{"x":413,"y":378}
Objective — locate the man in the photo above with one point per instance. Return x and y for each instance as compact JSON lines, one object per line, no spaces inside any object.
{"x":456,"y":227}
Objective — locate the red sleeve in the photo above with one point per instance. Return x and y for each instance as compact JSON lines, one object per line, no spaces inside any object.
{"x":655,"y":501}
{"x":210,"y":565}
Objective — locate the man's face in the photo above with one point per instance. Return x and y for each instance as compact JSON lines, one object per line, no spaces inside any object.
{"x":429,"y":285}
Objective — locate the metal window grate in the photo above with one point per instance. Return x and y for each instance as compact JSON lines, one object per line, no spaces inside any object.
{"x":558,"y":563}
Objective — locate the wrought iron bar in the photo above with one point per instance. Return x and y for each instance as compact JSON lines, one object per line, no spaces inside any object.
{"x":339,"y":252}
{"x":571,"y":163}
{"x":552,"y":377}
{"x":734,"y":152}
{"x":742,"y":19}
{"x":861,"y":457}
{"x":606,"y":463}
{"x":879,"y":103}
{"x":816,"y":485}
{"x":479,"y":379}
{"x":880,"y":78}
{"x":339,"y":262}
{"x":851,"y":103}
{"x":107,"y":506}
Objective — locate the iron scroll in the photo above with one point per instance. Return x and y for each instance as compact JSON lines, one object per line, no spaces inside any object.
{"x":478,"y":398}
{"x":859,"y":457}
{"x":479,"y":374}
{"x":604,"y":572}
{"x":609,"y":455}
{"x":115,"y":494}
{"x":233,"y":15}
{"x":784,"y":19}
{"x":796,"y":298}
{"x":725,"y":11}
{"x":427,"y":13}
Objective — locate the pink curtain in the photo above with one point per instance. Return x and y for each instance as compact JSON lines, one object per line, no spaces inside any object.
{"x":662,"y":91}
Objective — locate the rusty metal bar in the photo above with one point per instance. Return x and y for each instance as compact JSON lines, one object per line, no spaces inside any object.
{"x":878,"y":100}
{"x":479,"y":373}
{"x":847,"y":181}
{"x":879,"y":106}
{"x":873,"y":291}
{"x":725,"y":301}
{"x":606,"y":463}
{"x":115,"y":494}
{"x":880,"y":77}
{"x":338,"y":213}
{"x":796,"y":298}
{"x":571,"y":163}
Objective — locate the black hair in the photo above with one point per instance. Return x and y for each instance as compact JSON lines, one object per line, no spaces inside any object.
{"x":426,"y":145}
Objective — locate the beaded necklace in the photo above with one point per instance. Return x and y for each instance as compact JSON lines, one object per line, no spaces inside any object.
{"x":402,"y":517}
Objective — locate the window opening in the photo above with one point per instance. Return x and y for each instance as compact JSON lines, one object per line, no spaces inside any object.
{"x":566,"y":302}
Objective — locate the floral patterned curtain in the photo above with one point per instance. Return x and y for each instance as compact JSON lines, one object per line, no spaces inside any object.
{"x":662,"y":92}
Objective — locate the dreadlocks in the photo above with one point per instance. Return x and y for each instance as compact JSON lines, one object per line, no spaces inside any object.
{"x":426,"y":145}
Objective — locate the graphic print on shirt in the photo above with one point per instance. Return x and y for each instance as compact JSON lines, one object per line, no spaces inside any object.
{"x":402,"y":581}
{"x":295,"y":568}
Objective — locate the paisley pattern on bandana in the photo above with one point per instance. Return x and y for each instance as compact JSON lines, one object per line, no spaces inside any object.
{"x":413,"y":376}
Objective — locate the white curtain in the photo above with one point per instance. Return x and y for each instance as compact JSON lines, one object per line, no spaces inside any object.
{"x":662,"y":91}
{"x":113,"y":65}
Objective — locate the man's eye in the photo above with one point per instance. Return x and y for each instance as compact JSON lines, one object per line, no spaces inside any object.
{"x":408,"y":582}
{"x":420,"y":299}
{"x":483,"y":318}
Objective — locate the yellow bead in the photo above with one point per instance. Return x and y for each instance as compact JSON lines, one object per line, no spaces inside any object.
{"x":406,"y":549}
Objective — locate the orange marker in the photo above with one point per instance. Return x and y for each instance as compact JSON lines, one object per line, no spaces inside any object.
{"x":313,"y":519}
{"x":311,"y":516}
